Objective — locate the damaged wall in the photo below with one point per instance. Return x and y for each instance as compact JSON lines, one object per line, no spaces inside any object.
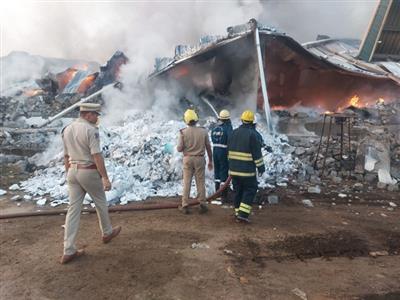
{"x":227,"y":76}
{"x":295,"y":77}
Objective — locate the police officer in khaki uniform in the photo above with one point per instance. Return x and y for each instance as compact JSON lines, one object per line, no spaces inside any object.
{"x":86,"y":173}
{"x":193,"y":141}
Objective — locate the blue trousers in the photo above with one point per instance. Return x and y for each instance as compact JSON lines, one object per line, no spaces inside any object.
{"x":221,"y":168}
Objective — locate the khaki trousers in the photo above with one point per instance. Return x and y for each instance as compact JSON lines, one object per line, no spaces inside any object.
{"x":80,"y":182}
{"x":194,"y":165}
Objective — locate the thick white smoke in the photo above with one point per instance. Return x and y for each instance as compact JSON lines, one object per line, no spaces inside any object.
{"x":305,"y":19}
{"x":93,"y":30}
{"x":155,"y":34}
{"x":144,"y":30}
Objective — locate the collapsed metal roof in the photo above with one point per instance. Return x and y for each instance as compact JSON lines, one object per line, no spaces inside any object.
{"x":338,"y":53}
{"x":321,"y":73}
{"x":342,"y":53}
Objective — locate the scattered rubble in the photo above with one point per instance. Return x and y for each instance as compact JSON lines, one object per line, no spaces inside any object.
{"x":41,"y":201}
{"x":314,"y":189}
{"x":200,"y":246}
{"x":14,"y":187}
{"x":393,"y":187}
{"x":307,"y":203}
{"x":141,"y":167}
{"x":273,"y":199}
{"x":302,"y":295}
{"x":142,"y":160}
{"x":379,"y":253}
{"x":16,"y":198}
{"x":26,"y":102}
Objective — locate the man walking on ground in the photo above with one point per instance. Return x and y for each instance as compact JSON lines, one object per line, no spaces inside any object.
{"x":219,"y":138}
{"x":244,"y":154}
{"x":86,"y":173}
{"x":193,"y":142}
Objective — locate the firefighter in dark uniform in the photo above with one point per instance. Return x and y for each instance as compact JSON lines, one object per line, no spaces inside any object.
{"x":259,"y":136}
{"x":244,"y":155}
{"x":219,"y":138}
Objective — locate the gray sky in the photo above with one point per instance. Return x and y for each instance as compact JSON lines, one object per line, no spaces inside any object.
{"x":94,"y":30}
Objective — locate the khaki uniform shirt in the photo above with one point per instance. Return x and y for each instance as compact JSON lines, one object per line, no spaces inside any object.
{"x":193,"y":140}
{"x":81,"y":140}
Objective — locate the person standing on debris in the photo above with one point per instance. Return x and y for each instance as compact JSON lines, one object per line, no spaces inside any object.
{"x":193,"y":142}
{"x":219,"y":138}
{"x":86,"y":173}
{"x":244,"y":155}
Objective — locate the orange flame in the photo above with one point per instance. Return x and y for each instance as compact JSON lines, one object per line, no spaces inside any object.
{"x":180,"y":72}
{"x":65,"y":77}
{"x":380,"y":101}
{"x":279,"y":107}
{"x":355,"y":101}
{"x":86,"y":83}
{"x":34,"y":92}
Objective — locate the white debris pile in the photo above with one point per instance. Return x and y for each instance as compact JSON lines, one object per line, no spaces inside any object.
{"x":279,"y":160}
{"x":142,"y":161}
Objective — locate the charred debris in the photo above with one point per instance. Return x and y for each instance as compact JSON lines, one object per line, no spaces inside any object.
{"x":294,"y":87}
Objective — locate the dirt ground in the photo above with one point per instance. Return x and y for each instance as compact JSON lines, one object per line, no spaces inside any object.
{"x":288,"y":252}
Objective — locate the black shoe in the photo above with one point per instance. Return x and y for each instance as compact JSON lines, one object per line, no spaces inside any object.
{"x":203,"y":208}
{"x":241,"y":219}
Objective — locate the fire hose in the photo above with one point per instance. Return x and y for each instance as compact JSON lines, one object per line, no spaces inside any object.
{"x":118,"y":208}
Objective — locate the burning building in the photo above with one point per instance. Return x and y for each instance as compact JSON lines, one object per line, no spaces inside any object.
{"x":80,"y":80}
{"x":255,"y":64}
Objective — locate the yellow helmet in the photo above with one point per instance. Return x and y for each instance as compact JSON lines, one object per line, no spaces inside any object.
{"x":247,"y":116}
{"x":190,"y":115}
{"x":224,"y":115}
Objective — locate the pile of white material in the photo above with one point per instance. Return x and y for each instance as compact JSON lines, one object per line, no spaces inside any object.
{"x":142,"y":161}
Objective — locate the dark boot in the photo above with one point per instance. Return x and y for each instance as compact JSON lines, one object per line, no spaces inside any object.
{"x":242,"y":219}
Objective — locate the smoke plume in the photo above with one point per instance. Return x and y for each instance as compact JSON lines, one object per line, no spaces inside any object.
{"x":93,"y":30}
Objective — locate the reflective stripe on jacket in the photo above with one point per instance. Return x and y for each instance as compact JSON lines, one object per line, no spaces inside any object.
{"x":221,"y":134}
{"x":244,"y":152}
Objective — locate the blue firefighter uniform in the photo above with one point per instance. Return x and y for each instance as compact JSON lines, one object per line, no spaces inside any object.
{"x":219,"y":138}
{"x":244,"y":154}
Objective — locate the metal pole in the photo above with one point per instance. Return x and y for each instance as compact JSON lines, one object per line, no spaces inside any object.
{"x":341,"y":141}
{"x":349,"y":125}
{"x":75,"y":105}
{"x":320,"y":142}
{"x":327,"y":145}
{"x":267,"y":109}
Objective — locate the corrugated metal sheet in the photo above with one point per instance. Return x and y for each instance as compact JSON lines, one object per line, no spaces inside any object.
{"x":389,"y":40}
{"x":342,"y":52}
{"x":369,"y":43}
{"x":382,"y":40}
{"x":393,"y":67}
{"x":73,"y":86}
{"x":339,"y":53}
